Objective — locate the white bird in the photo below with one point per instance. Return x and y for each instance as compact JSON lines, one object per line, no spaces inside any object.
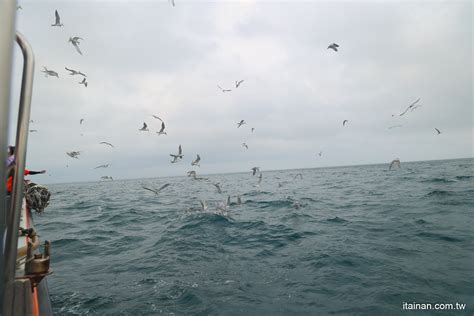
{"x":172,"y":2}
{"x":58,"y":19}
{"x":252,"y":129}
{"x":218,"y":187}
{"x":177,"y":157}
{"x":84,"y":82}
{"x":156,"y":191}
{"x":157,"y":117}
{"x":144,"y":128}
{"x":80,"y":121}
{"x":411,"y":106}
{"x":102,"y":166}
{"x":344,"y":122}
{"x":333,"y":46}
{"x":50,"y":73}
{"x":19,"y":7}
{"x":106,"y":178}
{"x":162,"y":130}
{"x":196,"y":161}
{"x":73,"y":154}
{"x":255,"y":169}
{"x":320,"y":153}
{"x":203,"y":205}
{"x":237,"y":83}
{"x":242,"y":122}
{"x":394,"y":163}
{"x":245,"y":145}
{"x":105,"y":143}
{"x":299,"y":175}
{"x":193,"y":174}
{"x":439,"y":132}
{"x":75,"y":72}
{"x":224,"y":90}
{"x":75,"y":42}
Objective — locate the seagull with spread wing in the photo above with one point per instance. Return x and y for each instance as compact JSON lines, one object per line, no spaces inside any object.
{"x":84,"y":82}
{"x":102,"y":166}
{"x":75,"y":72}
{"x":177,"y":157}
{"x":333,"y":46}
{"x":242,"y":122}
{"x":106,"y":143}
{"x":438,"y":131}
{"x":224,"y":90}
{"x":411,"y":107}
{"x":75,"y":42}
{"x":156,"y":191}
{"x":58,"y":19}
{"x":394,"y":163}
{"x":51,"y":73}
{"x":144,"y":128}
{"x":238,"y":83}
{"x":162,"y":130}
{"x":196,"y":161}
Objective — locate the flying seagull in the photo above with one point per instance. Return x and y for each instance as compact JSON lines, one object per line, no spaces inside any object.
{"x":344,"y":122}
{"x":203,"y":205}
{"x":58,"y":19}
{"x":50,"y":73}
{"x":333,"y":46}
{"x":193,"y":174}
{"x":237,"y":83}
{"x":105,"y":143}
{"x":196,"y":161}
{"x":75,"y":41}
{"x":224,"y":90}
{"x":411,"y":107}
{"x":144,"y":128}
{"x":394,"y":163}
{"x":172,"y":2}
{"x":102,"y":166}
{"x":242,"y":122}
{"x":254,"y":170}
{"x":177,"y":157}
{"x":218,"y":187}
{"x":84,"y":82}
{"x":154,"y":190}
{"x":439,"y":132}
{"x":162,"y":130}
{"x":107,"y":178}
{"x":239,"y":201}
{"x":320,"y":153}
{"x":157,"y":117}
{"x":245,"y":145}
{"x":253,"y":128}
{"x":80,"y":121}
{"x":73,"y":154}
{"x":19,"y":7}
{"x":299,"y":175}
{"x":75,"y":72}
{"x":33,"y":130}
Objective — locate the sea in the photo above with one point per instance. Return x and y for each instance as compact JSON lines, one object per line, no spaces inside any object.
{"x":356,"y":240}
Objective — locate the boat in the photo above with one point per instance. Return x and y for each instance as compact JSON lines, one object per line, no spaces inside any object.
{"x":23,"y":267}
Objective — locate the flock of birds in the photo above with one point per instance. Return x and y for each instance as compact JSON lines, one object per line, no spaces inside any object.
{"x":177,"y":157}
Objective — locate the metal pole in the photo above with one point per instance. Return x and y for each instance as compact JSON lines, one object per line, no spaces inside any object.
{"x":7,"y":31}
{"x":20,"y":158}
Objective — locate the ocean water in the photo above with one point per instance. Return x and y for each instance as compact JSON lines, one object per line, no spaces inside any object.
{"x":363,"y":241}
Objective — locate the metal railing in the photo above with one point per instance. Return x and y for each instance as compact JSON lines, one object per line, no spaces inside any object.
{"x":10,"y":216}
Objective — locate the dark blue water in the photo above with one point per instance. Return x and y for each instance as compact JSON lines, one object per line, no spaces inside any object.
{"x":364,"y":241}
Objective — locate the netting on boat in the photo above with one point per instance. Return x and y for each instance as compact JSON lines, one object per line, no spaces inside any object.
{"x":37,"y":197}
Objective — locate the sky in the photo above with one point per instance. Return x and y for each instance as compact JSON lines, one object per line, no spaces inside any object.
{"x":145,"y":58}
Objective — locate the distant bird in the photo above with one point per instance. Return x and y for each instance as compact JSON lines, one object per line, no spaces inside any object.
{"x":102,"y":166}
{"x":193,"y":174}
{"x":237,"y":83}
{"x":344,"y":122}
{"x":162,"y":130}
{"x":73,"y":154}
{"x":394,"y":126}
{"x":320,"y":153}
{"x":157,"y":117}
{"x":252,"y":129}
{"x":411,"y":107}
{"x":196,"y":161}
{"x":245,"y":145}
{"x":218,"y":187}
{"x":75,"y":72}
{"x":254,"y":170}
{"x":242,"y":122}
{"x":31,"y":121}
{"x":156,"y":191}
{"x":172,"y":2}
{"x":333,"y":46}
{"x":80,"y":121}
{"x":51,"y":73}
{"x":84,"y":82}
{"x":177,"y":157}
{"x":75,"y":42}
{"x":106,"y":143}
{"x":107,"y":178}
{"x":19,"y":7}
{"x":439,"y":132}
{"x":394,"y":163}
{"x":203,"y":205}
{"x":58,"y":19}
{"x":239,"y":201}
{"x":224,"y":90}
{"x":299,"y":175}
{"x":144,"y":128}
{"x":33,"y":130}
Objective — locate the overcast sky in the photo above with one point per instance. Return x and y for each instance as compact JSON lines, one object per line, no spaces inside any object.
{"x":146,"y":58}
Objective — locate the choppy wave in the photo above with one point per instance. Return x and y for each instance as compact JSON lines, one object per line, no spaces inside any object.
{"x":362,"y":241}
